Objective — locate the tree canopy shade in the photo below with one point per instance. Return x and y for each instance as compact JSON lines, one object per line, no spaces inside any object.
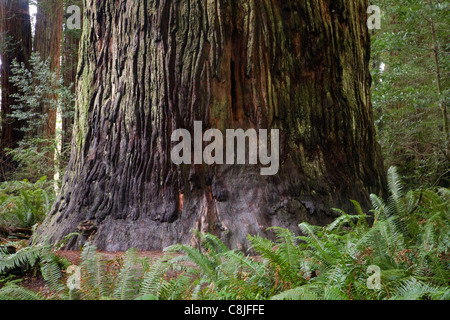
{"x":15,"y":43}
{"x":410,"y":93}
{"x":150,"y":67}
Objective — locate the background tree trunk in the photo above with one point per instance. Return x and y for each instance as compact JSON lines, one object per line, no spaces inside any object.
{"x":70,"y":62}
{"x":47,"y":42}
{"x":15,"y":42}
{"x":149,"y":67}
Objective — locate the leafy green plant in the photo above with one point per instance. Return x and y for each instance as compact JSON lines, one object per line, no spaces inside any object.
{"x":40,"y":258}
{"x":15,"y":292}
{"x":38,"y":86}
{"x":410,"y":89}
{"x":406,"y":237}
{"x":221,"y":273}
{"x":341,"y":256}
{"x":24,"y":204}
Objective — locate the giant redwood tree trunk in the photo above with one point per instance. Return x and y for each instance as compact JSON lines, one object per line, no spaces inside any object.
{"x":15,"y":43}
{"x":150,"y":67}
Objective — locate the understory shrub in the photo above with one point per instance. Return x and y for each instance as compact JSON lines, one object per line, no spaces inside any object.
{"x":406,"y":238}
{"x":24,"y":204}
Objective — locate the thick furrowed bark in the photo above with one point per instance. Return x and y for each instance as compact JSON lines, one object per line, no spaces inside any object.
{"x":149,"y":67}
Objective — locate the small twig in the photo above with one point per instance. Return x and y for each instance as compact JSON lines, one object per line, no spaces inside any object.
{"x":417,"y":204}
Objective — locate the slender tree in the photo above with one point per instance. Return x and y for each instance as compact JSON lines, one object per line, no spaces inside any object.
{"x":442,"y":103}
{"x":47,"y":42}
{"x":15,"y":43}
{"x":150,"y":67}
{"x":71,"y":41}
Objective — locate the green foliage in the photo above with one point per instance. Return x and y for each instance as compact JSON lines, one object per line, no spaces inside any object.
{"x":221,"y":273}
{"x":281,"y":258}
{"x":51,"y":269}
{"x":15,"y":292}
{"x":406,"y":96}
{"x":126,"y":284}
{"x":37,"y":86}
{"x":27,"y":257}
{"x":38,"y":257}
{"x":24,"y":204}
{"x":407,"y":239}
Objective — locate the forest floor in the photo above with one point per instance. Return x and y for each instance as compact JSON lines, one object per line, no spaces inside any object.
{"x":74,"y":256}
{"x":37,"y":284}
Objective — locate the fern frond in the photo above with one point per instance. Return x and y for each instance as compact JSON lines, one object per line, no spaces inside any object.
{"x":194,"y":255}
{"x":94,"y":267}
{"x":347,"y":218}
{"x":211,"y":242}
{"x":304,"y":292}
{"x":15,"y":292}
{"x":307,"y":229}
{"x":245,"y":263}
{"x":334,"y":293}
{"x":124,"y":288}
{"x":27,"y":256}
{"x":396,"y":188}
{"x":412,"y":289}
{"x":263,"y":247}
{"x":51,"y":271}
{"x":153,"y":278}
{"x":287,"y":247}
{"x":323,"y":249}
{"x":177,"y":288}
{"x":379,"y":206}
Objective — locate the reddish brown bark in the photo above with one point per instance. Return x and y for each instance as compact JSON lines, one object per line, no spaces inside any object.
{"x":15,"y":43}
{"x":70,"y":64}
{"x":47,"y":42}
{"x":149,"y":67}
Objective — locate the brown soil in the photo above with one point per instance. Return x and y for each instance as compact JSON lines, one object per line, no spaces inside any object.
{"x":74,"y":256}
{"x":37,"y":284}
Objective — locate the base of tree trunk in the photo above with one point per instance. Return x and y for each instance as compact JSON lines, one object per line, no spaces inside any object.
{"x":235,"y":202}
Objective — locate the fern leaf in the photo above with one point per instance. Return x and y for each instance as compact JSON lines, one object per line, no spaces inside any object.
{"x":334,"y":293}
{"x":395,"y":187}
{"x":14,"y":292}
{"x":51,"y":272}
{"x":211,"y":242}
{"x":412,"y":289}
{"x":94,"y":267}
{"x":379,"y":206}
{"x":124,"y":288}
{"x":299,"y":293}
{"x":257,"y":269}
{"x":153,"y":278}
{"x":207,"y":266}
{"x":177,"y":288}
{"x":27,"y":256}
{"x":306,"y":228}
